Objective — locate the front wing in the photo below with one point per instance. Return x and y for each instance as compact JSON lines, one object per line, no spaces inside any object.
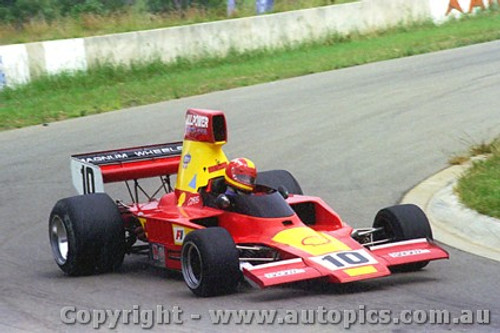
{"x":344,"y":266}
{"x":410,"y":251}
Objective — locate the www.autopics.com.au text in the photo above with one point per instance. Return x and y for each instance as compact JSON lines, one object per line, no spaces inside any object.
{"x":175,"y":315}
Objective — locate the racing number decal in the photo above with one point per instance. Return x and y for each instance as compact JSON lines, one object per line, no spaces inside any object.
{"x":346,"y":259}
{"x":88,"y":180}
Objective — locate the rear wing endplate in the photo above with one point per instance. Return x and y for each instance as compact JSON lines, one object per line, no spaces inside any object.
{"x":90,"y":171}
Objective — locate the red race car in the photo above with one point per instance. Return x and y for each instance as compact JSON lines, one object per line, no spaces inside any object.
{"x":223,"y":222}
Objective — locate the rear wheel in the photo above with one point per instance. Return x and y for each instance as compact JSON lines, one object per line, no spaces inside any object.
{"x":399,"y":223}
{"x":86,"y":234}
{"x":210,"y":262}
{"x":279,"y":178}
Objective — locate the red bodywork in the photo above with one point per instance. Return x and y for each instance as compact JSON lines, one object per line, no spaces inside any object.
{"x":167,"y":223}
{"x":311,"y":243}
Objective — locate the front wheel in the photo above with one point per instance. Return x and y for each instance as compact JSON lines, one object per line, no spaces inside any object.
{"x":210,"y":262}
{"x":399,"y":223}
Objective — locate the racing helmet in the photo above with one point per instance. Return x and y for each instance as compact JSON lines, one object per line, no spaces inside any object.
{"x":241,"y":173}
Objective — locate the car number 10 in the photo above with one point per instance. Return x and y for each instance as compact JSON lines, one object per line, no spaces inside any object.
{"x":346,"y":259}
{"x":88,"y":179}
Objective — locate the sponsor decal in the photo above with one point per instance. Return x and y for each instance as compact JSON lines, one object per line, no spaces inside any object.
{"x":105,"y":158}
{"x":315,"y":240}
{"x":186,"y":160}
{"x":131,"y":154}
{"x":198,"y":121}
{"x":407,"y":253}
{"x":180,"y":233}
{"x":310,"y":241}
{"x":217,"y":167}
{"x":155,"y":152}
{"x":193,"y":200}
{"x":196,"y":132}
{"x":158,"y":252}
{"x":197,"y":126}
{"x":286,"y":272}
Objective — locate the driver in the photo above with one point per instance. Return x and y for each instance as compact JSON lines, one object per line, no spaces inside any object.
{"x":240,"y":176}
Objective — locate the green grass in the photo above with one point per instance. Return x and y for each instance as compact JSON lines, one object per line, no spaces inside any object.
{"x":106,"y":88}
{"x":479,"y":188}
{"x":475,"y":149}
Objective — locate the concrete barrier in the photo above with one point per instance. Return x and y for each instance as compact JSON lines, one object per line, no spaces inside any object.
{"x":21,"y":62}
{"x":15,"y":69}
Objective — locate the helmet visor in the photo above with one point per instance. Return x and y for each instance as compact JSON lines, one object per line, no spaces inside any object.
{"x":245,"y":179}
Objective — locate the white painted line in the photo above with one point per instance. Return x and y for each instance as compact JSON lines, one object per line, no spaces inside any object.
{"x":411,"y":241}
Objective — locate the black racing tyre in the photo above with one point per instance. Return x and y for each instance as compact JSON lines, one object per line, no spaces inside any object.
{"x":210,"y":262}
{"x":277,"y":178}
{"x":403,"y":222}
{"x":87,"y":235}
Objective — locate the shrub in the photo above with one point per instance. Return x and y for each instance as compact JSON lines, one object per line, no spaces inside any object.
{"x":20,"y":11}
{"x":100,"y":7}
{"x":164,"y":6}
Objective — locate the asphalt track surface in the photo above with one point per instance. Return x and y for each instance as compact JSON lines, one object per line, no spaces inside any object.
{"x":358,"y":137}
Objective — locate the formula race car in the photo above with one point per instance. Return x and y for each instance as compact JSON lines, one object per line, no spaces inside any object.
{"x":265,"y":231}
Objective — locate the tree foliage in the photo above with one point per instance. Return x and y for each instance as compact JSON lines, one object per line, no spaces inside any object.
{"x":20,"y":11}
{"x":163,"y":6}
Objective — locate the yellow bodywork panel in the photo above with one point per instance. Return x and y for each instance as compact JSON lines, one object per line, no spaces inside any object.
{"x":360,"y":270}
{"x":200,"y":162}
{"x":310,"y":241}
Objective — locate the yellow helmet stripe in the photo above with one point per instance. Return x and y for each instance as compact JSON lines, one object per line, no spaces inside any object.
{"x":237,"y":185}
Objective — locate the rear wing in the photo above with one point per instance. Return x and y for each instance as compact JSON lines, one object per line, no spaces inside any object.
{"x":90,"y":171}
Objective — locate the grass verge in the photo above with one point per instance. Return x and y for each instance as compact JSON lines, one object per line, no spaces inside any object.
{"x":479,"y":188}
{"x":106,"y":88}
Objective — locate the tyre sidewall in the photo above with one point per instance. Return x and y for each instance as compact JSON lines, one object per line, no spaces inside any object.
{"x":404,"y":222}
{"x":95,"y":234}
{"x":220,"y":263}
